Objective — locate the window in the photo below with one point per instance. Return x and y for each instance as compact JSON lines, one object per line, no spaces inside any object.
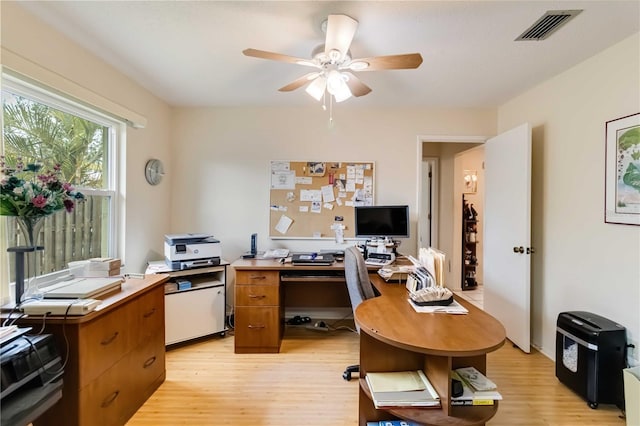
{"x":42,"y":127}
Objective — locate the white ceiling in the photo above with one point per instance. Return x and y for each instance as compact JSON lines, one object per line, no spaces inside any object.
{"x":189,"y":53}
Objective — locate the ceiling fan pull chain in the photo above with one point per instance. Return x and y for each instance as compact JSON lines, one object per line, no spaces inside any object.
{"x":330,"y":110}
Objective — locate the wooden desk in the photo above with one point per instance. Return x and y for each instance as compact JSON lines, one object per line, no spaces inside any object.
{"x":116,"y":355}
{"x":264,"y":287}
{"x":393,"y":337}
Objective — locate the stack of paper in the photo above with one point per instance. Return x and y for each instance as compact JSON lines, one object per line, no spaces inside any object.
{"x":402,"y":389}
{"x":477,"y":388}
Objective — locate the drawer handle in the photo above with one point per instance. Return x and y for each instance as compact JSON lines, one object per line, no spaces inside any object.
{"x":110,"y":399}
{"x":149,"y":362}
{"x":109,"y":340}
{"x":256,"y":326}
{"x":258,"y":277}
{"x":148,"y":314}
{"x":257,"y":296}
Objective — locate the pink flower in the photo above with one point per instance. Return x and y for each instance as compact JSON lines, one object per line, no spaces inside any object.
{"x":39,"y":201}
{"x":67,"y":187}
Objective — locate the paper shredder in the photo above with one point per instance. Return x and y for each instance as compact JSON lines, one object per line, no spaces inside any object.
{"x":590,"y":357}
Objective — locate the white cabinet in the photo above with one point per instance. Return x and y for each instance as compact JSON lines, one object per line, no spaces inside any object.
{"x":197,"y":311}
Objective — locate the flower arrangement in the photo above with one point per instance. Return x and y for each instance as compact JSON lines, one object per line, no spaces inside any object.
{"x":30,"y":191}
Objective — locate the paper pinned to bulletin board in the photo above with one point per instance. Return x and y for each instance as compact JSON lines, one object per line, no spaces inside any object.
{"x":316,"y":199}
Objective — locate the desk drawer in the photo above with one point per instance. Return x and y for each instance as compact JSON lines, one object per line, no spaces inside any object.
{"x":257,"y":277}
{"x":257,"y":295}
{"x":257,"y":329}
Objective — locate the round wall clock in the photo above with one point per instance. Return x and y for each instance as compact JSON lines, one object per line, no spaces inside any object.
{"x":153,"y":171}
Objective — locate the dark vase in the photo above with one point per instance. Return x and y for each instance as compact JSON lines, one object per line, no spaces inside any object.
{"x":30,"y":227}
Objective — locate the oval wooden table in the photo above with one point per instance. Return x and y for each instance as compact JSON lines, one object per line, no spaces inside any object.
{"x":394,"y":337}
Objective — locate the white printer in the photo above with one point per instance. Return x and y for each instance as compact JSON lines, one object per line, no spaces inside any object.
{"x":184,"y":251}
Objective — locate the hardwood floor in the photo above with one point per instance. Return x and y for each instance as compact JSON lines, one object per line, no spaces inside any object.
{"x":207,"y":384}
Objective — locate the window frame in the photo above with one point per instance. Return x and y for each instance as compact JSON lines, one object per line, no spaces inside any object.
{"x":116,"y":138}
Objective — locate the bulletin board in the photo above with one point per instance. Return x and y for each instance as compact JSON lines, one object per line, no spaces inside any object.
{"x":316,"y":199}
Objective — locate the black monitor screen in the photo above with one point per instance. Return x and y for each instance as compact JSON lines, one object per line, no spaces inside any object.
{"x":382,"y":221}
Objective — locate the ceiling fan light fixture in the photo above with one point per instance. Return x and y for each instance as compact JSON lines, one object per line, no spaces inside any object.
{"x":334,"y":55}
{"x":317,"y":87}
{"x":343,"y":94}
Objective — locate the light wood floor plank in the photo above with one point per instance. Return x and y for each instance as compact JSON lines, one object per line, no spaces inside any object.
{"x":207,"y":384}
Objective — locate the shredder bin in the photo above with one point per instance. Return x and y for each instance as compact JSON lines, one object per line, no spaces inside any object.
{"x":590,"y":357}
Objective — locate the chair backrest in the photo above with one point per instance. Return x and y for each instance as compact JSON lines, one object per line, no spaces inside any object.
{"x":357,"y":277}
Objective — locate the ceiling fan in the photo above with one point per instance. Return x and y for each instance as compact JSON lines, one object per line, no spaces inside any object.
{"x":334,"y":65}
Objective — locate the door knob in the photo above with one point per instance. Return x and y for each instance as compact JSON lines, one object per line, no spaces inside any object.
{"x":518,"y":249}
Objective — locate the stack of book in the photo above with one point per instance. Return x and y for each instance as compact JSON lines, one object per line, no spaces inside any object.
{"x":477,"y":389}
{"x":103,"y":267}
{"x":96,"y":267}
{"x":402,"y":389}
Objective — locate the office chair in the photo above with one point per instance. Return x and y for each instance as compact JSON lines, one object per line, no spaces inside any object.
{"x":360,"y":288}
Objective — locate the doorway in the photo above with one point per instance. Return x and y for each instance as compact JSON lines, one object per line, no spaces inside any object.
{"x":439,"y":206}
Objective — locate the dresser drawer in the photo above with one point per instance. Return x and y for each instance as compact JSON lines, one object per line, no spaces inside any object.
{"x":257,"y":329}
{"x":148,"y":315}
{"x":257,"y":295}
{"x":104,"y":400}
{"x":257,"y":277}
{"x":147,"y":366}
{"x":103,"y":342}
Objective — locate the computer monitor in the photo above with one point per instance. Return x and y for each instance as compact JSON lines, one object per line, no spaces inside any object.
{"x":382,"y":221}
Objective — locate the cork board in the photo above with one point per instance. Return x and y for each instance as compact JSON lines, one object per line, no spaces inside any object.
{"x":316,"y":199}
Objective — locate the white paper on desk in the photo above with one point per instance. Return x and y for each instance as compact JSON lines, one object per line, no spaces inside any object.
{"x":154,"y":266}
{"x":453,"y":308}
{"x":283,"y":224}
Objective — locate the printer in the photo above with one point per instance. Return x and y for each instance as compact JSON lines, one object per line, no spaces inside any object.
{"x":185,"y":251}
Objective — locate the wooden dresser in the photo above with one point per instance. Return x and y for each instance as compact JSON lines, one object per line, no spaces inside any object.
{"x":116,"y":355}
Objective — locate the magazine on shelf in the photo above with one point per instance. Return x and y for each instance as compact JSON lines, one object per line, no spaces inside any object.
{"x":472,"y":397}
{"x":475,"y":379}
{"x":402,"y":389}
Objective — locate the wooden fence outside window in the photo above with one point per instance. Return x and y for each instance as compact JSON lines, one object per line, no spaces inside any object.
{"x":66,"y":237}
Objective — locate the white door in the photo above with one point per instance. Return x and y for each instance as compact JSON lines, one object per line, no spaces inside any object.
{"x":507,"y":232}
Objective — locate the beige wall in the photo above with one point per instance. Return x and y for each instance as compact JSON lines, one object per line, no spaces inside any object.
{"x":581,"y":263}
{"x":147,"y":208}
{"x":223,"y":159}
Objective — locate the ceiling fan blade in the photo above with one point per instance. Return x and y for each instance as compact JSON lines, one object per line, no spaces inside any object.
{"x":263,"y":54}
{"x":391,"y":62}
{"x":299,"y":82}
{"x":340,"y":32}
{"x":357,"y":87}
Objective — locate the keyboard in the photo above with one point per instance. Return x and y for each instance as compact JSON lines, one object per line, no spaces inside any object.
{"x":377,"y":262}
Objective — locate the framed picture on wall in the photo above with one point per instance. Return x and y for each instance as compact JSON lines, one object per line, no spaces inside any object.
{"x":622,"y":170}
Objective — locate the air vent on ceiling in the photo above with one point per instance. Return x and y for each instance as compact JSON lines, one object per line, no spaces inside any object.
{"x":548,"y":24}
